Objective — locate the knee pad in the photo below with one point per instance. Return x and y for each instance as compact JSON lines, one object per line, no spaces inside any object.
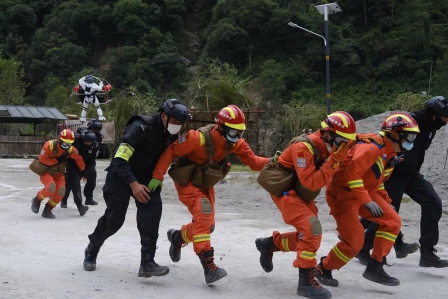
{"x":52,"y":188}
{"x":206,"y":206}
{"x":212,"y":228}
{"x":316,"y":227}
{"x":61,"y":191}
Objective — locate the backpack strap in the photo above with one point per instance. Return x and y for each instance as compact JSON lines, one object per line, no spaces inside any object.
{"x":209,"y":145}
{"x":304,"y":138}
{"x":54,"y":149}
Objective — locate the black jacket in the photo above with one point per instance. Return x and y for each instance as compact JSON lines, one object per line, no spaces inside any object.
{"x":414,"y":159}
{"x":148,"y":137}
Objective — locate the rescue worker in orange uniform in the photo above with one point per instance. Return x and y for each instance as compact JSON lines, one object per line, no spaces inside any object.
{"x":357,"y":189}
{"x":226,"y":137}
{"x":314,"y":160}
{"x":53,"y":155}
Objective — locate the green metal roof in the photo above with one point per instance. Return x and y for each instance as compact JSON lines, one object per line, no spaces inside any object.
{"x":29,"y":114}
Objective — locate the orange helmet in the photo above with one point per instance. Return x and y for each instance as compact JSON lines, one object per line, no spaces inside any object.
{"x":67,"y":136}
{"x":400,"y":122}
{"x":232,"y":117}
{"x":340,"y":123}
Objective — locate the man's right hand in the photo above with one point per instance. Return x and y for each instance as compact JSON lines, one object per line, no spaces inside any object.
{"x":374,"y":209}
{"x":339,"y":154}
{"x":140,"y":192}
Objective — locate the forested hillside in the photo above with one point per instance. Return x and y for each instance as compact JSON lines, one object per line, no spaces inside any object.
{"x":210,"y":53}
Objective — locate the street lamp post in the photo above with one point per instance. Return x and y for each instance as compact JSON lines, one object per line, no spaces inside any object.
{"x":324,"y":9}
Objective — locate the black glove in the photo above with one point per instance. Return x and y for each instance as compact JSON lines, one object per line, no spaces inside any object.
{"x":374,"y":209}
{"x":83,"y":173}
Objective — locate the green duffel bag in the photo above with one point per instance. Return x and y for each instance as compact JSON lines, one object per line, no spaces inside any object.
{"x":207,"y":176}
{"x":276,"y":179}
{"x":182,"y":170}
{"x":37,"y":167}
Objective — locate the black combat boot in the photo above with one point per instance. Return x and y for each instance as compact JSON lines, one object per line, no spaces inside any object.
{"x":310,"y":287}
{"x":376,"y":273}
{"x":63,"y":204}
{"x":428,"y":258}
{"x":46,"y":213}
{"x":90,"y":202}
{"x":402,"y":249}
{"x":211,"y":271}
{"x":175,"y":238}
{"x":90,"y":255}
{"x":363,"y":256}
{"x":267,"y":248}
{"x":82,"y":209}
{"x":148,"y":266}
{"x":324,"y":275}
{"x":35,"y":205}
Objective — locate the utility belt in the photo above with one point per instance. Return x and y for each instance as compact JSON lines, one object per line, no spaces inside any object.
{"x":276,"y":179}
{"x":201,"y":176}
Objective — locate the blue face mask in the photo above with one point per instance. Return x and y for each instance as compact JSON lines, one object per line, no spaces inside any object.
{"x":407,"y":145}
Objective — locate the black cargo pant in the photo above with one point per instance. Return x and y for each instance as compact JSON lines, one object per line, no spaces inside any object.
{"x":91,"y":181}
{"x":423,"y":193}
{"x":117,"y":195}
{"x":72,"y":184}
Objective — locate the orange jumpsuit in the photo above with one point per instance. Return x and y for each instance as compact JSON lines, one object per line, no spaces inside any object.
{"x":357,"y":181}
{"x":297,"y":212}
{"x":54,"y":185}
{"x":201,"y":203}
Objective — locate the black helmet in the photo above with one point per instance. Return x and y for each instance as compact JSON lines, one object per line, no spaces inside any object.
{"x":175,"y":109}
{"x":95,"y":125}
{"x":89,"y":136}
{"x":89,"y":79}
{"x":439,"y":105}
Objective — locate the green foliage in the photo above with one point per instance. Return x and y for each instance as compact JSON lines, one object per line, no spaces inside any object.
{"x":217,"y":86}
{"x":11,"y":84}
{"x":410,"y":101}
{"x":125,"y":105}
{"x":227,"y":51}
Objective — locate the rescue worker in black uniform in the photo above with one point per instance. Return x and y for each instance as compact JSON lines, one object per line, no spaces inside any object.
{"x":85,"y":142}
{"x":134,"y":159}
{"x":95,"y":126}
{"x":406,"y":178}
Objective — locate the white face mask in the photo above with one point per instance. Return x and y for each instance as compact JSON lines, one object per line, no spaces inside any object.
{"x":329,"y":148}
{"x":173,"y":129}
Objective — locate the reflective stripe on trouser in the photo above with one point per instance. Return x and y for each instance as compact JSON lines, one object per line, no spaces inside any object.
{"x":54,"y":187}
{"x":351,"y":232}
{"x":306,"y":239}
{"x":201,"y":204}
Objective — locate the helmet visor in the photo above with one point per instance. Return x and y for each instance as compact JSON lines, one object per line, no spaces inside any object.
{"x":409,"y":137}
{"x":65,"y":145}
{"x":235,"y":133}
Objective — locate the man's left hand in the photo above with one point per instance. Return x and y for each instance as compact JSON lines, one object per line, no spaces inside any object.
{"x":154,"y":184}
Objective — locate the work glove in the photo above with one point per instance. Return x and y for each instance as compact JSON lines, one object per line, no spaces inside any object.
{"x":374,"y":209}
{"x":277,"y":154}
{"x":83,"y":173}
{"x":154,"y":184}
{"x":366,"y":138}
{"x":339,"y":154}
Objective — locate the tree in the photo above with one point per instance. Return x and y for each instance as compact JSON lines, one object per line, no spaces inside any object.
{"x":11,"y":84}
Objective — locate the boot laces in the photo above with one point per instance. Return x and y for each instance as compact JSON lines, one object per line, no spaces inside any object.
{"x":210,"y":264}
{"x":311,"y":278}
{"x":180,"y":245}
{"x":324,"y":272}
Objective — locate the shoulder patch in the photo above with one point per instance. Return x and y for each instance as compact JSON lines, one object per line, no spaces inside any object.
{"x":42,"y":152}
{"x":182,"y":138}
{"x":301,"y":162}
